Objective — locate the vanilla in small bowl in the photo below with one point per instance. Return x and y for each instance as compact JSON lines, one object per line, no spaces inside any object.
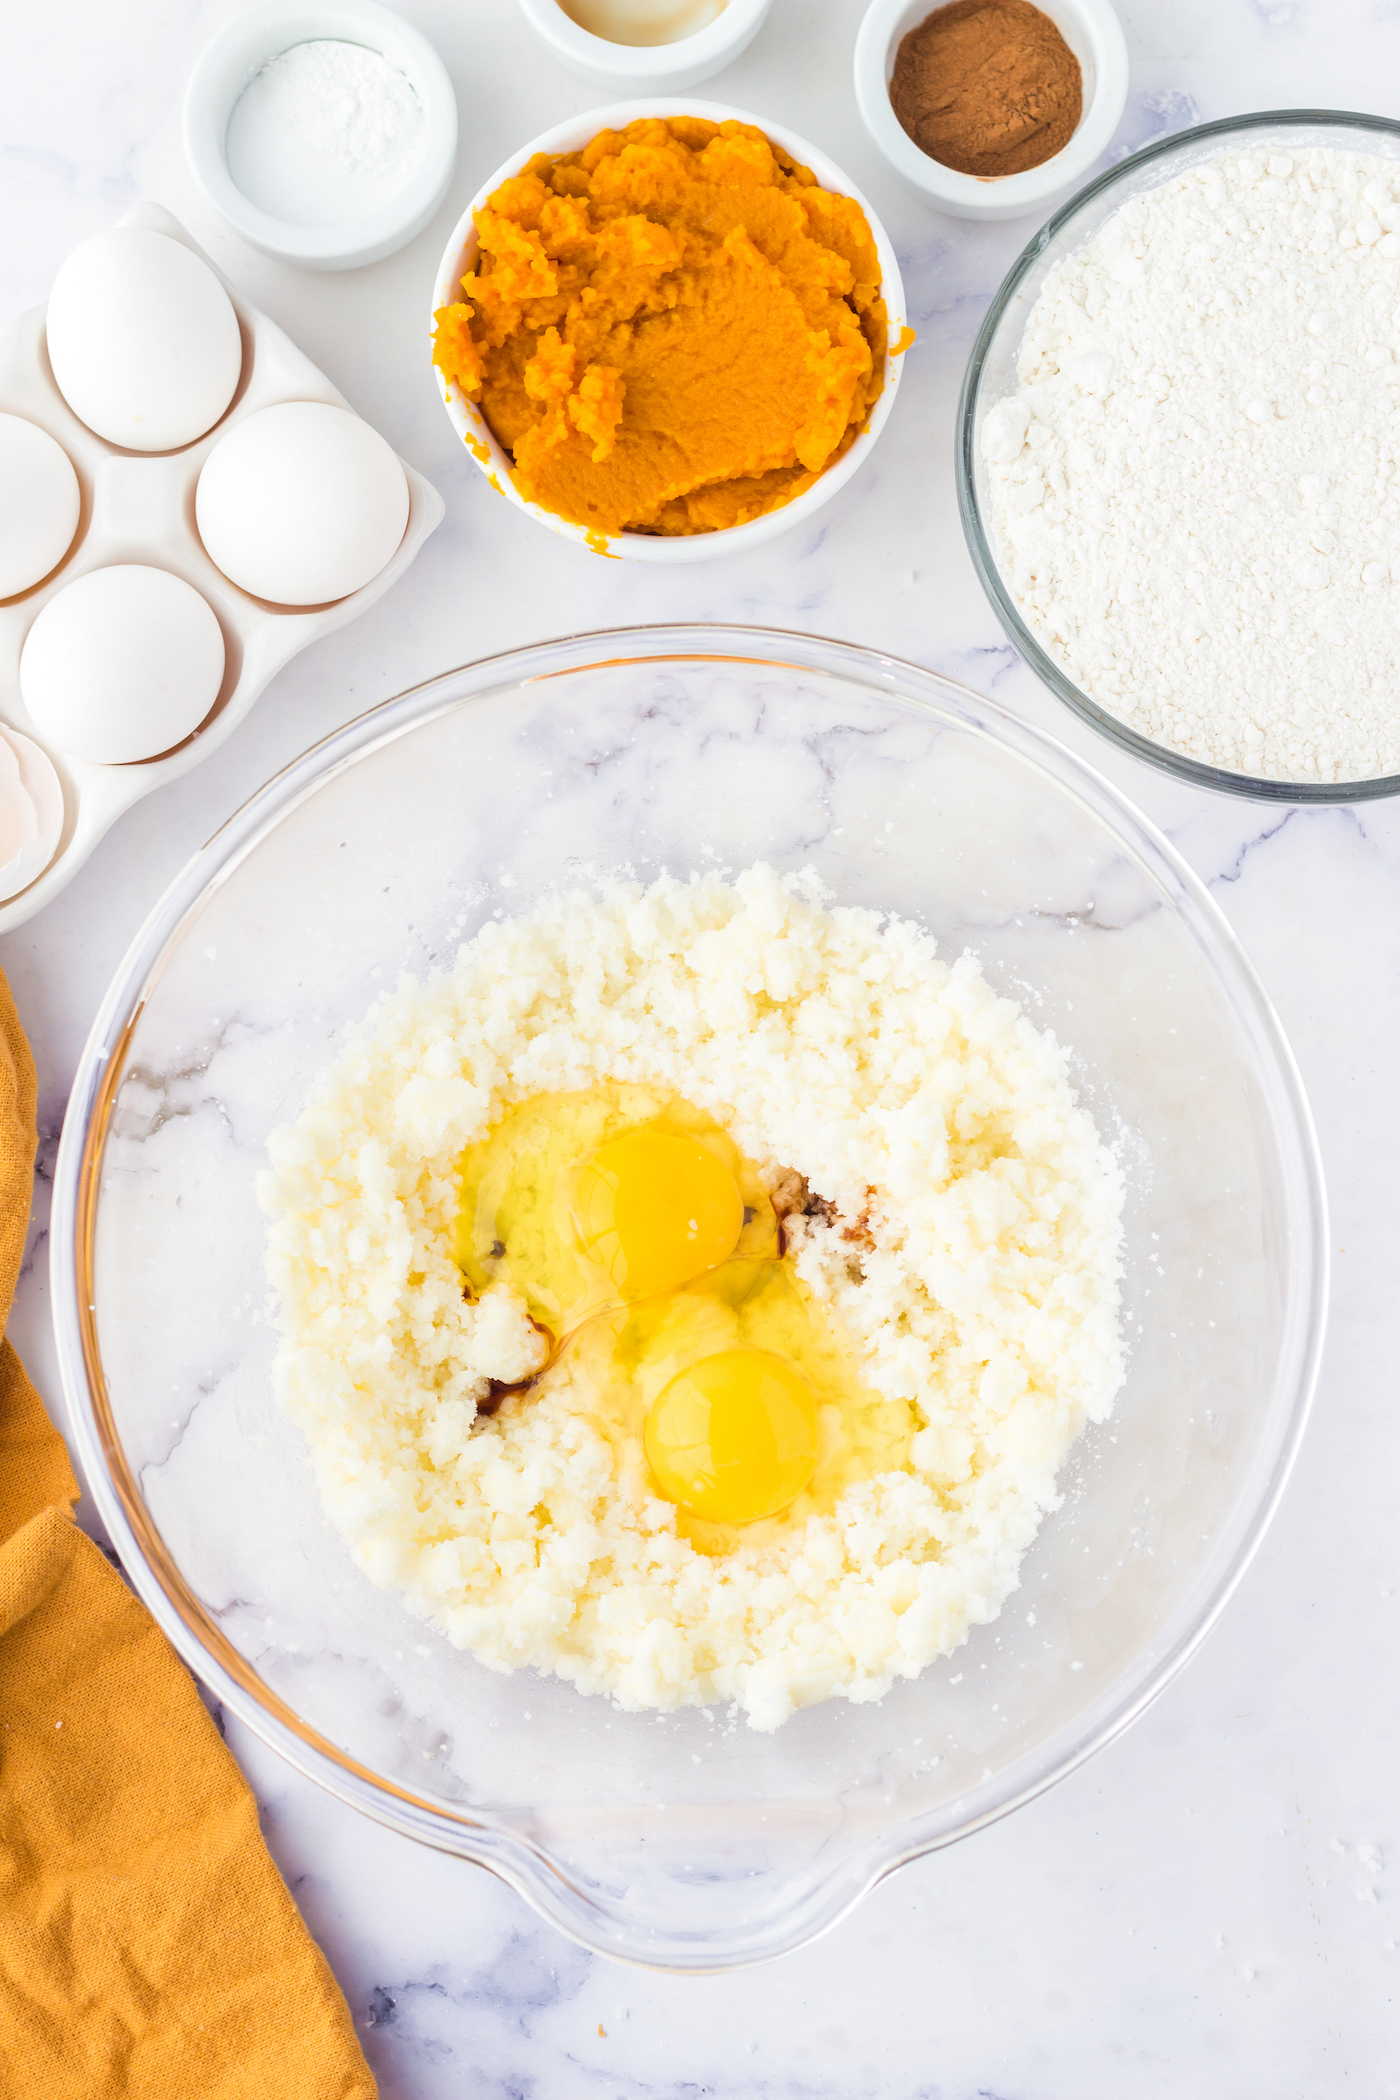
{"x":643,"y":23}
{"x":645,"y":46}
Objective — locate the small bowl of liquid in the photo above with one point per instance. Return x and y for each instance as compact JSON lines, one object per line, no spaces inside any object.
{"x":645,"y":45}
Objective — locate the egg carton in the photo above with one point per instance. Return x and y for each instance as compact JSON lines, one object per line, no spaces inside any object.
{"x":139,"y":507}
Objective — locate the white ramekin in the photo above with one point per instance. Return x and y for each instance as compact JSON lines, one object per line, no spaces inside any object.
{"x":645,"y":69}
{"x":495,"y":462}
{"x":1095,"y":36}
{"x":240,"y":51}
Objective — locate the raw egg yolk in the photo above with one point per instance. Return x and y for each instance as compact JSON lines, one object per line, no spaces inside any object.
{"x":656,"y":1210}
{"x":734,"y":1437}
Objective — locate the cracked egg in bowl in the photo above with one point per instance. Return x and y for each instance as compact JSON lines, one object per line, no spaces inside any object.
{"x":540,"y":1410}
{"x":693,"y":1291}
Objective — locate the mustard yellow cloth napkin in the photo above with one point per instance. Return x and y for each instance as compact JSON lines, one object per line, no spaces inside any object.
{"x":148,"y":1947}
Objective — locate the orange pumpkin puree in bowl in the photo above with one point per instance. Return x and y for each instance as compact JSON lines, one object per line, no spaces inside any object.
{"x":672,"y":331}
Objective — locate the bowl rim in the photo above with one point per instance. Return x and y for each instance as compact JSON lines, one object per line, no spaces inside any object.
{"x":495,"y":462}
{"x":574,"y":45}
{"x":1005,"y":196}
{"x":252,"y":39}
{"x":984,"y":560}
{"x":502,"y":1845}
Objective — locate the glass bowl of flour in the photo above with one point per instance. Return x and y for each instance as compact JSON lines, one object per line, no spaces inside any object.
{"x":687,"y":1840}
{"x":1179,"y":455}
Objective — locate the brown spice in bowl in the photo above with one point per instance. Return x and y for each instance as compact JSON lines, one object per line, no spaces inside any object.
{"x":987,"y":87}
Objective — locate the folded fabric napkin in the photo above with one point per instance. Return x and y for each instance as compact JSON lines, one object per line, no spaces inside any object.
{"x":148,"y":1946}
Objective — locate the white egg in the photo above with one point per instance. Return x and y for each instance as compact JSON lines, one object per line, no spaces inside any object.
{"x":122,"y":664}
{"x":31,"y":812}
{"x":301,"y":503}
{"x":143,"y":340}
{"x":39,"y":504}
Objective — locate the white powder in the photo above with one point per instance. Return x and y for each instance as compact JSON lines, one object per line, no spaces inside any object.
{"x":985,"y":1312}
{"x":324,"y":132}
{"x":1195,"y":491}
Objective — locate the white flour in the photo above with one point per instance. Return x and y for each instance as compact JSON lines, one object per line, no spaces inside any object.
{"x":1195,"y":490}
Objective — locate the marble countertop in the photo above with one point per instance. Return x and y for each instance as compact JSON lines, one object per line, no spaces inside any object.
{"x":1208,"y":1907}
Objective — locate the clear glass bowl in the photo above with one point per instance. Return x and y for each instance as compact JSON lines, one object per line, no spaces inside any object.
{"x":991,"y":377}
{"x":686,"y":1842}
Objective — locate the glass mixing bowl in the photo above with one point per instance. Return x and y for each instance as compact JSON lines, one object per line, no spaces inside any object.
{"x":991,"y":377}
{"x":686,"y":1842}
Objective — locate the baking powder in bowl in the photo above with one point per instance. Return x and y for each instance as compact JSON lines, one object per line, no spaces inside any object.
{"x":327,"y":132}
{"x":1195,"y":489}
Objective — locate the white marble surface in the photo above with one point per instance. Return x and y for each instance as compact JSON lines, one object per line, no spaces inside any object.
{"x":1210,"y":1907}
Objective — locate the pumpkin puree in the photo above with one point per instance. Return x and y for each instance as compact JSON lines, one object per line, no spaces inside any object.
{"x":672,"y":331}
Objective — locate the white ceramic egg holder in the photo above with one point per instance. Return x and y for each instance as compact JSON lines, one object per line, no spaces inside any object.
{"x":139,"y":507}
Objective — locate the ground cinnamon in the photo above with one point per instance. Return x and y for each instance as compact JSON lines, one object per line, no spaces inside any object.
{"x":988,"y":87}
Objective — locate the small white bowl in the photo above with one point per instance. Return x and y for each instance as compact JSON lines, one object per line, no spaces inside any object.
{"x":495,"y":462}
{"x":240,"y":51}
{"x":647,"y":68}
{"x":1095,"y":36}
